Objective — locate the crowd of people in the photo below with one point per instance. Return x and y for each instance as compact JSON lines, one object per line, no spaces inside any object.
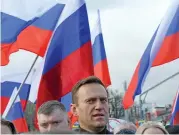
{"x":90,"y":105}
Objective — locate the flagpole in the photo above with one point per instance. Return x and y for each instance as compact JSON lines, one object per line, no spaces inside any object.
{"x":11,"y":102}
{"x":141,"y":102}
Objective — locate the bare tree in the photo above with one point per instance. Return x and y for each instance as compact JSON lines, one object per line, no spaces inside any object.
{"x":115,"y":103}
{"x":116,"y":107}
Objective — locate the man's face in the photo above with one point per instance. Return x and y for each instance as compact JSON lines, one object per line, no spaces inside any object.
{"x":92,"y":108}
{"x":56,"y":121}
{"x":5,"y":129}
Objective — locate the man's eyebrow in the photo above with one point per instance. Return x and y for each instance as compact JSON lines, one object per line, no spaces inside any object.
{"x":95,"y":98}
{"x":98,"y":97}
{"x":91,"y":98}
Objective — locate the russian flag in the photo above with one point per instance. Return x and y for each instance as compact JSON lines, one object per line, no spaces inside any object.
{"x":175,"y":111}
{"x":69,"y":56}
{"x":9,"y":86}
{"x":99,"y":62}
{"x":163,"y":48}
{"x":27,"y":25}
{"x":12,"y":81}
{"x":99,"y":55}
{"x":16,"y":114}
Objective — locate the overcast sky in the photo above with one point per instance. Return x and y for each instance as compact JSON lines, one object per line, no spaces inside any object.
{"x":127,"y":27}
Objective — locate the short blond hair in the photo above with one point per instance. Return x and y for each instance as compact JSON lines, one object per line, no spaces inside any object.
{"x":147,"y":125}
{"x":48,"y":107}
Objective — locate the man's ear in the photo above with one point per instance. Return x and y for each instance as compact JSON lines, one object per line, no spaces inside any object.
{"x":74,"y":109}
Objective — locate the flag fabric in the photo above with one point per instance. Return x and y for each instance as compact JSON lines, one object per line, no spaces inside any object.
{"x":67,"y":101}
{"x":99,"y":62}
{"x":99,"y":55}
{"x":9,"y":83}
{"x":73,"y":119}
{"x":163,"y":48}
{"x":16,"y":114}
{"x":27,"y":25}
{"x":175,"y":111}
{"x":6,"y":92}
{"x":36,"y":77}
{"x":9,"y":86}
{"x":69,"y":56}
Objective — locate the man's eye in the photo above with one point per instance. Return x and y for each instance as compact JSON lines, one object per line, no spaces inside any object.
{"x":56,"y":122}
{"x":90,"y":101}
{"x":44,"y":125}
{"x":103,"y":100}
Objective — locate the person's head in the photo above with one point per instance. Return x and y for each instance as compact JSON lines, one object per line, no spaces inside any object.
{"x":52,"y":116}
{"x":125,"y":128}
{"x":90,"y":104}
{"x":7,"y":127}
{"x":172,"y":129}
{"x":151,"y":128}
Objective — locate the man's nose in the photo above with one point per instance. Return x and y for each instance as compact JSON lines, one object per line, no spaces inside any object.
{"x":99,"y":105}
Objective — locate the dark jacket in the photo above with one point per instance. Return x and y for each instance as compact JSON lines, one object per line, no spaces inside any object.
{"x":83,"y":131}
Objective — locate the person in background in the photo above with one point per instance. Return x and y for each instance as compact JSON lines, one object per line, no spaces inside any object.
{"x":125,"y":128}
{"x":52,"y":116}
{"x":151,"y":128}
{"x":7,"y":127}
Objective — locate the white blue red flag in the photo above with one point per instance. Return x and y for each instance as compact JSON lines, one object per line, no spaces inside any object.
{"x":99,"y":54}
{"x":27,"y":25}
{"x":9,"y":86}
{"x":16,"y":114}
{"x":163,"y":48}
{"x":69,"y":56}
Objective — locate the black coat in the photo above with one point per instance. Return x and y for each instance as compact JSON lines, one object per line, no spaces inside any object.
{"x":83,"y":131}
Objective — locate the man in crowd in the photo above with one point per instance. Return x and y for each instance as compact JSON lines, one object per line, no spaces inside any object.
{"x":90,"y":105}
{"x":52,"y":117}
{"x":125,"y":128}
